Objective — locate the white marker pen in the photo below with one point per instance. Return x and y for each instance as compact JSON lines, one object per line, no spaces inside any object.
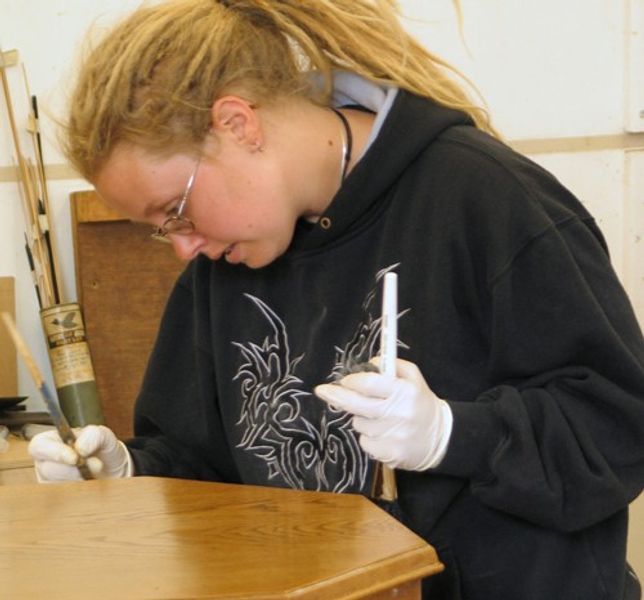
{"x":384,"y":479}
{"x":389,"y":326}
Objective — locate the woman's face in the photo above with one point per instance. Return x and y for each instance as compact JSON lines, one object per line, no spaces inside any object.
{"x":240,"y":203}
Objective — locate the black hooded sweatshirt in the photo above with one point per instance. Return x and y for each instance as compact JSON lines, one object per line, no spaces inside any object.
{"x":510,"y":308}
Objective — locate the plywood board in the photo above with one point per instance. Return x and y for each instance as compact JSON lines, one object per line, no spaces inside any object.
{"x":635,"y":552}
{"x":123,"y":280}
{"x":8,"y":372}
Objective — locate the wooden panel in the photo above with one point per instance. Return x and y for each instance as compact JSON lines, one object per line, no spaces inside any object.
{"x":88,"y":208}
{"x":8,"y":372}
{"x":123,"y":281}
{"x":159,"y":538}
{"x":16,"y":465}
{"x":635,"y":552}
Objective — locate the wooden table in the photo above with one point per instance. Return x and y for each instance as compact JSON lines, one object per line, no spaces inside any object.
{"x":157,"y":538}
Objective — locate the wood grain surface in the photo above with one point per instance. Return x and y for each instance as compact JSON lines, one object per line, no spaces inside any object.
{"x":8,"y":360}
{"x":158,"y":538}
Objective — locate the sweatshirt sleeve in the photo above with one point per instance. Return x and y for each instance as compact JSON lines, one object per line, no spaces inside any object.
{"x":177,"y":428}
{"x":560,"y":440}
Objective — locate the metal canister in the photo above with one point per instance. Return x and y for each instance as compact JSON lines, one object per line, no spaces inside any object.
{"x":71,"y":364}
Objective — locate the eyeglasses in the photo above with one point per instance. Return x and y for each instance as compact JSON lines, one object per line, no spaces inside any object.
{"x":176,"y":223}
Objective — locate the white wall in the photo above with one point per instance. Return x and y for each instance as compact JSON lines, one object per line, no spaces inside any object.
{"x":568,"y":74}
{"x":46,"y":33}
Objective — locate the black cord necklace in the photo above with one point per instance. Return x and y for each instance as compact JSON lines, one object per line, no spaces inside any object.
{"x":347,"y":144}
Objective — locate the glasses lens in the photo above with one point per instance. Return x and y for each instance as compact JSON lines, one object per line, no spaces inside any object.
{"x":174,"y":226}
{"x":178,"y":225}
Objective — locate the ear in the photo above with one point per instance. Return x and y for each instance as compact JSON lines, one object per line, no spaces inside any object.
{"x":232,"y":115}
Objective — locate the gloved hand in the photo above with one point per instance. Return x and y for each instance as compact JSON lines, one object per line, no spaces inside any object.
{"x":107,"y":457}
{"x":401,"y":422}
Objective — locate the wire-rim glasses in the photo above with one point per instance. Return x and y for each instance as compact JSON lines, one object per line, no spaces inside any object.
{"x":176,"y":223}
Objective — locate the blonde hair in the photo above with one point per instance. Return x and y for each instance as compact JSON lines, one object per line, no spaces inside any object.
{"x":153,"y":78}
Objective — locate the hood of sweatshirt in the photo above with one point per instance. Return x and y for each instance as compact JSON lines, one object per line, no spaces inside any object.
{"x":411,"y":125}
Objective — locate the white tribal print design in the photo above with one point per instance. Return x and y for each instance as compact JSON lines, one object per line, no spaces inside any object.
{"x":326,"y":457}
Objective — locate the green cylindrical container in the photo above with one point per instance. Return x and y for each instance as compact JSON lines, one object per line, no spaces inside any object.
{"x":71,"y":364}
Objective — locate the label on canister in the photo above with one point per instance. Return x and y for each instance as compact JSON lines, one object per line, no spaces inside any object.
{"x":66,"y":343}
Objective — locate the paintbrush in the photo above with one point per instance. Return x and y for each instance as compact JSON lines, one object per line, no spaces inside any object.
{"x":57,"y":416}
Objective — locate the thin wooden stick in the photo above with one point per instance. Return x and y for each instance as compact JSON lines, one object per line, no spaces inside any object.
{"x":45,"y":222}
{"x":22,"y":349}
{"x":30,"y":201}
{"x":12,"y":120}
{"x":32,"y":268}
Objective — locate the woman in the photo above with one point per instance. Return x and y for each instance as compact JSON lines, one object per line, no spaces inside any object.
{"x":294,"y":152}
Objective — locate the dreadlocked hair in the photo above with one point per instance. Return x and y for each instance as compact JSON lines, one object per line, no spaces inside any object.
{"x":152,"y":78}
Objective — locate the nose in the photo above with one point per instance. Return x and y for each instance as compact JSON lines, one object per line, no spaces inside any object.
{"x":186,"y":247}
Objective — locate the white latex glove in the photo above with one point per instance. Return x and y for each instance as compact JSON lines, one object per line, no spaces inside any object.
{"x":107,"y":457}
{"x":401,"y":422}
